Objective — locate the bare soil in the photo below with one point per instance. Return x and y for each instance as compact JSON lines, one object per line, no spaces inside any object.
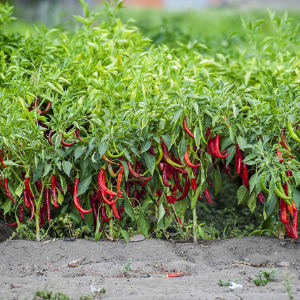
{"x":72,"y":266}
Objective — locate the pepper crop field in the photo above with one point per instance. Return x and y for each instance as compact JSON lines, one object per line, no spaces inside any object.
{"x":105,"y":133}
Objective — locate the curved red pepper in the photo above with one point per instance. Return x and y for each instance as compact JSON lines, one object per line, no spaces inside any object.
{"x":194,"y":184}
{"x":245,"y":176}
{"x":207,"y":196}
{"x":261,"y":197}
{"x":128,"y":189}
{"x":7,"y":192}
{"x":77,"y":135}
{"x":289,"y":230}
{"x":177,"y":181}
{"x":66,"y":144}
{"x":238,"y":158}
{"x":283,"y":211}
{"x":75,"y":198}
{"x":53,"y":190}
{"x":187,"y":159}
{"x":101,"y":183}
{"x":21,"y":217}
{"x":119,"y":180}
{"x":215,"y":148}
{"x":47,"y":201}
{"x":209,"y":182}
{"x":295,"y":224}
{"x":186,"y":129}
{"x":104,"y":216}
{"x":27,"y":186}
{"x":151,"y":150}
{"x":1,"y":158}
{"x":186,"y":189}
{"x":46,"y":109}
{"x":103,"y":194}
{"x":136,"y":175}
{"x":227,"y":170}
{"x":164,"y":175}
{"x":115,"y":212}
{"x":49,"y":138}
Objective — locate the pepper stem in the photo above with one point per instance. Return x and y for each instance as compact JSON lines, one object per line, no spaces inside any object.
{"x":195,"y":223}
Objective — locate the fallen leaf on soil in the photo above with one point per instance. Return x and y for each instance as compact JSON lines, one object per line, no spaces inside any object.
{"x":264,"y":264}
{"x":12,"y":286}
{"x":73,"y":266}
{"x":74,"y":263}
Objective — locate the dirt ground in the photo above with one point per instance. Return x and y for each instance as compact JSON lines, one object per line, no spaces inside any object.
{"x":28,"y":266}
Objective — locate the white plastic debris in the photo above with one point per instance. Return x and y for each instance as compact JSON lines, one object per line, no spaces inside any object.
{"x":93,"y":289}
{"x":235,"y":285}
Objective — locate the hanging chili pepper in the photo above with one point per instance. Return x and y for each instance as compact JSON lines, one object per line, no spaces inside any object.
{"x":128,"y":189}
{"x":119,"y":180}
{"x":215,"y":148}
{"x":138,"y":167}
{"x":75,"y":197}
{"x":284,"y":143}
{"x":245,"y":176}
{"x":279,"y":153}
{"x":289,"y":230}
{"x":111,"y":171}
{"x":176,"y":179}
{"x":280,"y":193}
{"x":104,"y":216}
{"x":167,"y":156}
{"x":7,"y":192}
{"x":103,"y":194}
{"x":39,"y":185}
{"x":101,"y":182}
{"x":186,"y":189}
{"x":238,"y":158}
{"x":283,"y":211}
{"x":46,"y":109}
{"x":194,"y":184}
{"x":115,"y":212}
{"x":135,"y":196}
{"x":77,"y":135}
{"x":66,"y":144}
{"x":49,"y":137}
{"x":164,"y":176}
{"x":31,"y":204}
{"x":47,"y":203}
{"x":207,"y":196}
{"x":21,"y":217}
{"x":53,"y":190}
{"x":227,"y":170}
{"x":261,"y":197}
{"x":27,"y":186}
{"x":151,"y":150}
{"x":108,"y":160}
{"x":186,"y":129}
{"x":187,"y":159}
{"x":136,"y":175}
{"x":1,"y":158}
{"x":209,"y":182}
{"x":295,"y":224}
{"x":57,"y":184}
{"x":289,"y":173}
{"x":26,"y":196}
{"x":140,"y":183}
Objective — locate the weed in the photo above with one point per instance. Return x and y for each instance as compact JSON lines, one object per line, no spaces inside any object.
{"x":265,"y":276}
{"x":228,"y":283}
{"x":127,"y":266}
{"x":287,"y":285}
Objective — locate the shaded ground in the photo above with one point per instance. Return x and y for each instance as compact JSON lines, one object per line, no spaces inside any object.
{"x":27,"y":266}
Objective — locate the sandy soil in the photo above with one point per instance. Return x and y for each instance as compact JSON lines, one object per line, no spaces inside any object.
{"x":28,"y":266}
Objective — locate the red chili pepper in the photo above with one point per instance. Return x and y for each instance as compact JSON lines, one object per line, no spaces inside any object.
{"x":43,"y":214}
{"x":66,"y":144}
{"x":94,"y":205}
{"x":238,"y":158}
{"x":135,"y":196}
{"x":103,"y":194}
{"x":151,"y":150}
{"x":289,"y":173}
{"x":283,"y":211}
{"x":49,"y":137}
{"x":26,"y":198}
{"x":27,"y":186}
{"x":279,"y":153}
{"x":136,"y":175}
{"x":186,"y":129}
{"x":210,"y":147}
{"x":128,"y":189}
{"x":215,"y":166}
{"x":104,"y":217}
{"x":289,"y":230}
{"x":119,"y":180}
{"x":207,"y":196}
{"x":39,"y":185}
{"x":77,"y":135}
{"x":47,"y":201}
{"x":46,"y":109}
{"x":140,"y":183}
{"x":196,"y":170}
{"x":1,"y":158}
{"x":177,"y":181}
{"x":164,"y":176}
{"x":174,"y":194}
{"x":138,"y":167}
{"x":245,"y":176}
{"x":227,"y":170}
{"x":187,"y":159}
{"x":215,"y":148}
{"x":57,"y":184}
{"x":194,"y":184}
{"x":53,"y":190}
{"x":186,"y":189}
{"x":261,"y":197}
{"x":31,"y":204}
{"x":7,"y":192}
{"x":295,"y":224}
{"x":167,"y":158}
{"x":209,"y":182}
{"x":21,"y":217}
{"x":101,"y":183}
{"x":115,"y":212}
{"x":75,"y":198}
{"x":286,"y":190}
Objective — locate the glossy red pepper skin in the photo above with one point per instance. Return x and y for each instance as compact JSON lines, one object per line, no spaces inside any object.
{"x":39,"y":185}
{"x":57,"y":184}
{"x":227,"y":170}
{"x":187,"y":159}
{"x":31,"y":205}
{"x":53,"y":190}
{"x":136,"y":175}
{"x":245,"y":176}
{"x":177,"y":181}
{"x":66,"y":144}
{"x":194,"y":184}
{"x":286,"y":190}
{"x":186,"y":129}
{"x":289,"y":173}
{"x":27,"y":186}
{"x":283,"y":211}
{"x":49,"y":138}
{"x":186,"y":189}
{"x":238,"y":158}
{"x":7,"y":192}
{"x":207,"y":196}
{"x":289,"y":230}
{"x":46,"y":109}
{"x":128,"y":189}
{"x":295,"y":224}
{"x":279,"y":153}
{"x":115,"y":212}
{"x":94,"y":205}
{"x":151,"y":150}
{"x":1,"y":158}
{"x":164,"y":175}
{"x":75,"y":198}
{"x":107,"y":201}
{"x":209,"y":182}
{"x":101,"y":183}
{"x":104,"y":216}
{"x":77,"y":135}
{"x":21,"y":217}
{"x":47,"y":203}
{"x":261,"y":197}
{"x":216,"y":146}
{"x":138,"y":167}
{"x":119,"y":180}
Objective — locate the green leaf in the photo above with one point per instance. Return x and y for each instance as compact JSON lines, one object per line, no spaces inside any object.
{"x":150,"y":161}
{"x":181,"y":207}
{"x":161,"y":214}
{"x":102,"y":147}
{"x":60,"y":197}
{"x":249,"y":157}
{"x":231,"y":152}
{"x":242,"y":142}
{"x":144,"y":223}
{"x":128,"y":207}
{"x":217,"y":180}
{"x":196,"y":108}
{"x":252,"y":202}
{"x":63,"y":184}
{"x":19,"y":190}
{"x":38,"y":172}
{"x":296,"y":197}
{"x":72,"y":216}
{"x":176,"y":115}
{"x":47,"y":169}
{"x":182,"y":148}
{"x":145,"y":146}
{"x":7,"y":206}
{"x":79,"y":150}
{"x":125,"y":235}
{"x":67,"y":166}
{"x":253,"y":181}
{"x":242,"y":194}
{"x":167,"y":139}
{"x":270,"y":205}
{"x":125,"y":168}
{"x":197,"y":135}
{"x":84,"y":185}
{"x":61,"y":153}
{"x":195,"y":196}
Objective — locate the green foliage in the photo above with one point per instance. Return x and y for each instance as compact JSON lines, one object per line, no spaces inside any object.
{"x":265,"y":276}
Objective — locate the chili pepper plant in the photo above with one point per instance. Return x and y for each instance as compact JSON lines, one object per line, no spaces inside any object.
{"x":101,"y":123}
